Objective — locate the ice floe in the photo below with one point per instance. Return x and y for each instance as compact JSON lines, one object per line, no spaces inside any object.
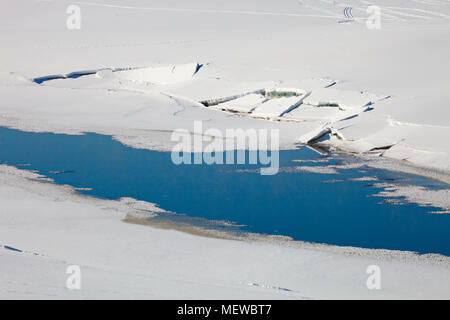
{"x":245,"y":104}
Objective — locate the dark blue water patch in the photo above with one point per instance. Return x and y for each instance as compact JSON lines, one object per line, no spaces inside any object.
{"x":12,"y":249}
{"x":295,"y":204}
{"x":41,"y":80}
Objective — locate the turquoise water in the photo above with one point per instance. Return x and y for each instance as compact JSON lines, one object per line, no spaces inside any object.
{"x":304,"y":206}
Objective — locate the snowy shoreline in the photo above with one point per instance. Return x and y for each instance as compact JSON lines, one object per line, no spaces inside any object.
{"x":122,"y":260}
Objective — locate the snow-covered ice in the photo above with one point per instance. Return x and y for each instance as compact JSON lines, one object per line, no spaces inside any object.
{"x":44,"y":228}
{"x":245,"y":104}
{"x":399,"y":70}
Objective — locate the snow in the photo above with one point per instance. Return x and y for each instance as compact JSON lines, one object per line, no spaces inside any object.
{"x":342,"y":99}
{"x":160,"y":75}
{"x":54,"y":228}
{"x":243,"y":47}
{"x":274,"y":108}
{"x":244,"y":104}
{"x":141,"y":81}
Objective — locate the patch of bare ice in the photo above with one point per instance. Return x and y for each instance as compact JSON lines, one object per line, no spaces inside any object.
{"x":422,"y":196}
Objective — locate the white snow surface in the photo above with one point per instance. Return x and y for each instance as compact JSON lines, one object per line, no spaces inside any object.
{"x":244,"y":104}
{"x":274,"y":108}
{"x":54,"y":228}
{"x":401,"y":69}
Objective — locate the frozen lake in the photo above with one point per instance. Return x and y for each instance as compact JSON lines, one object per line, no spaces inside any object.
{"x":322,"y":206}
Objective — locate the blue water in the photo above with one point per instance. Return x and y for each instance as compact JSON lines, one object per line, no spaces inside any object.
{"x":72,"y":75}
{"x":304,"y":206}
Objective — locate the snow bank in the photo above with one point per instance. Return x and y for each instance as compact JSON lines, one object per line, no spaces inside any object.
{"x":51,"y":227}
{"x":374,"y":75}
